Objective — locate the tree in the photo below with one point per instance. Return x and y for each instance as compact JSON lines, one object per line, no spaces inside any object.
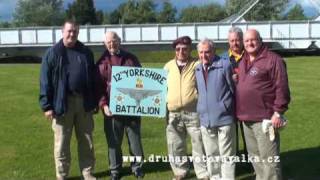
{"x":233,"y":6}
{"x":264,"y":10}
{"x":167,"y":14}
{"x":134,"y":12}
{"x":190,"y":14}
{"x":127,"y":13}
{"x":114,"y":17}
{"x":4,"y":24}
{"x":145,"y":12}
{"x":83,"y":11}
{"x":100,"y":17}
{"x":212,"y":13}
{"x":38,"y":13}
{"x":296,"y":13}
{"x":208,"y":13}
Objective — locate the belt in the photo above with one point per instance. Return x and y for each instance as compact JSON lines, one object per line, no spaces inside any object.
{"x":184,"y":112}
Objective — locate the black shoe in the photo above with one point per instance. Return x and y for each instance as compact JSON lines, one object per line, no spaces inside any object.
{"x":139,"y":174}
{"x":114,"y":176}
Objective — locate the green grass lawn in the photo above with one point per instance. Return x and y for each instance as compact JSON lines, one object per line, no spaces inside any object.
{"x":26,"y":138}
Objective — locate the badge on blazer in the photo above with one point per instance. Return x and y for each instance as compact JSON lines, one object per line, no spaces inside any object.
{"x":253,"y":71}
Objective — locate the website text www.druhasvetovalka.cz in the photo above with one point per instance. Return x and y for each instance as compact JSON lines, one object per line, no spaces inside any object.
{"x":227,"y":159}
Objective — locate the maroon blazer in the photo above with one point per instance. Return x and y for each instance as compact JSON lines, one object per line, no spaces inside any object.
{"x":263,"y":87}
{"x":103,"y":74}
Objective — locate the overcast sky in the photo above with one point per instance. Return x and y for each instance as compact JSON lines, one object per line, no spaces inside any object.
{"x":7,"y":6}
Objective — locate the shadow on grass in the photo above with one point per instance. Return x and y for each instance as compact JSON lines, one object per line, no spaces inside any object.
{"x":299,"y":164}
{"x":98,"y":175}
{"x":150,"y":167}
{"x":147,"y":168}
{"x":244,"y":170}
{"x":74,"y":178}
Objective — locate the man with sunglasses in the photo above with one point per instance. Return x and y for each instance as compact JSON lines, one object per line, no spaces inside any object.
{"x":182,"y":116}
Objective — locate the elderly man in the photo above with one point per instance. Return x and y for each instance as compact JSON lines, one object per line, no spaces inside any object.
{"x":182,"y":118}
{"x":115,"y":125}
{"x":262,"y":93}
{"x":236,"y":50}
{"x":216,"y":111}
{"x":67,"y":98}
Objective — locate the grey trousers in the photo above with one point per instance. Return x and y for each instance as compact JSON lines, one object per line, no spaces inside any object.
{"x":267,"y":152}
{"x":62,"y":127}
{"x":114,"y":128}
{"x":220,"y":146}
{"x":179,"y":125}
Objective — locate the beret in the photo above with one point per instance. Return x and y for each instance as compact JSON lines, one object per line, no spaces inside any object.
{"x":182,"y":40}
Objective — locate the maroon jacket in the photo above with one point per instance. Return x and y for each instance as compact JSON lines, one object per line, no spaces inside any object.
{"x":103,"y":75}
{"x":262,"y":88}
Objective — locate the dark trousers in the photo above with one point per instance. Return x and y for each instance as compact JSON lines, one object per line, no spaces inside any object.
{"x":239,"y":125}
{"x":114,"y":128}
{"x":247,"y":165}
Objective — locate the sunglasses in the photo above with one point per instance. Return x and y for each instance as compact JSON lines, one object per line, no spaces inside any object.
{"x":181,"y":48}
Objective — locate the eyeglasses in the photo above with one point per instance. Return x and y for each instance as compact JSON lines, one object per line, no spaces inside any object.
{"x":181,"y":48}
{"x":113,"y":42}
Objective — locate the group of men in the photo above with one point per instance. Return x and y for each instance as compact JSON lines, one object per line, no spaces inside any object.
{"x":205,"y":99}
{"x":208,"y":97}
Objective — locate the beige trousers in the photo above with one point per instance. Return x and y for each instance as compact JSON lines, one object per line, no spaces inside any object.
{"x":180,"y":124}
{"x":263,"y":153}
{"x":62,"y":127}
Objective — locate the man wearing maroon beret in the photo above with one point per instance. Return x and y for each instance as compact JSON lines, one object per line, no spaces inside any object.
{"x":182,"y":117}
